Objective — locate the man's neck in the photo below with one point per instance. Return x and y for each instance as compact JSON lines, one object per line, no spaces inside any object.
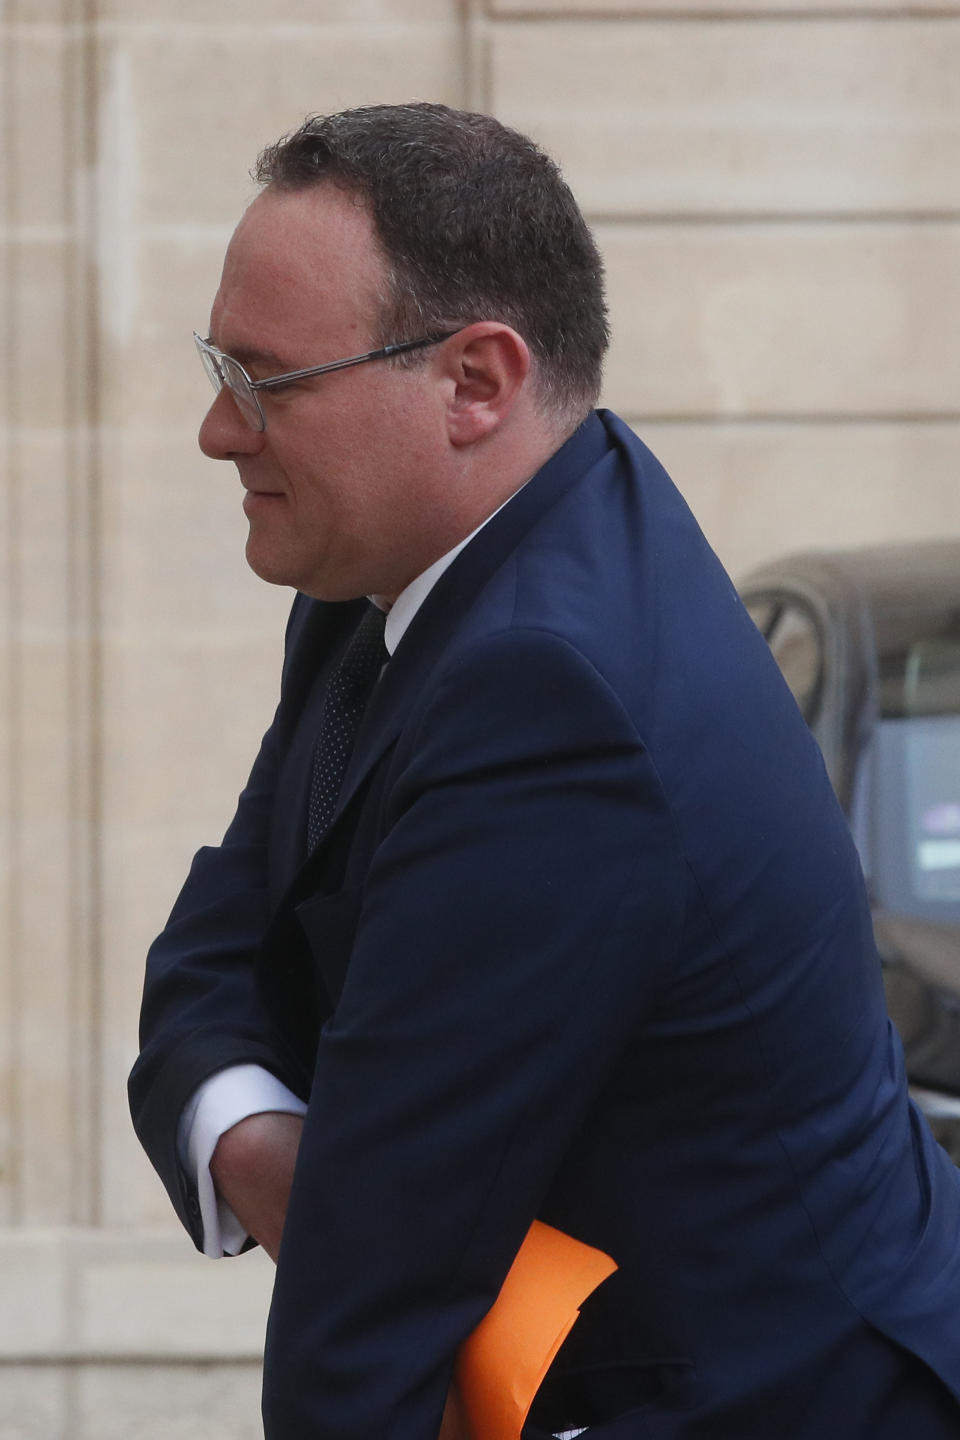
{"x":400,"y":612}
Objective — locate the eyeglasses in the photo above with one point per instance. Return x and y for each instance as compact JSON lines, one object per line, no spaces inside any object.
{"x":224,"y":370}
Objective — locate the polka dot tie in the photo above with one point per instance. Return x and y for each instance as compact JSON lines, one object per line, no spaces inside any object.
{"x":343,"y":706}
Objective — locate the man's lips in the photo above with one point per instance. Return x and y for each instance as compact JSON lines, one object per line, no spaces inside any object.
{"x":258,"y":499}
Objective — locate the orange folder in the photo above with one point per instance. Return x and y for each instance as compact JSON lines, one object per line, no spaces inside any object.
{"x":501,"y":1366}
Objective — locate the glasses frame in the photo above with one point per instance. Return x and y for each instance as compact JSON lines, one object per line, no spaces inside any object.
{"x":223,"y":370}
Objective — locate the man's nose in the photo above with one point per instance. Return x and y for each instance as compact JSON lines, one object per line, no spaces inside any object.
{"x":224,"y":432}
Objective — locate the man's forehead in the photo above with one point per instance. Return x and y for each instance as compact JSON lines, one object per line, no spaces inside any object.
{"x":310,"y":223}
{"x":296,"y":257}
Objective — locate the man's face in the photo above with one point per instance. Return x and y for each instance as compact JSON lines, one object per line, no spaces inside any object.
{"x":343,"y":486}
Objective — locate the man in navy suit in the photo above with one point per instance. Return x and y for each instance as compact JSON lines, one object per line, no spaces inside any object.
{"x":579,"y":933}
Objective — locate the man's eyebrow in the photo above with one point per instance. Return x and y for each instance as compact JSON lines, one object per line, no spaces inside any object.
{"x":252,"y":355}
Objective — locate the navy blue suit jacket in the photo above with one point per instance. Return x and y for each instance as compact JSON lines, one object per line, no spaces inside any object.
{"x":589,"y":942}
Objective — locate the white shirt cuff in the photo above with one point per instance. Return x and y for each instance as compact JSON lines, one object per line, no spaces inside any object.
{"x":215,"y":1107}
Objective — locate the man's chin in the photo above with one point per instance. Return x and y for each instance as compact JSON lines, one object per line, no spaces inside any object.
{"x":278,"y":569}
{"x":267,"y":566}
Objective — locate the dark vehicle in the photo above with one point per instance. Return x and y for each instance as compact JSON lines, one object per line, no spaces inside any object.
{"x":869,"y":643}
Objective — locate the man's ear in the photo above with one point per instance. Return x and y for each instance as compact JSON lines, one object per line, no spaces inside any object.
{"x":487,"y":364}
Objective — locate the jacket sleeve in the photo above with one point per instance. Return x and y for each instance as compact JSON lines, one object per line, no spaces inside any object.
{"x":525,"y":896}
{"x":200,"y":1010}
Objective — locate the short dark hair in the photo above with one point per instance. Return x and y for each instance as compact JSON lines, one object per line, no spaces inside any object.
{"x":475,"y":222}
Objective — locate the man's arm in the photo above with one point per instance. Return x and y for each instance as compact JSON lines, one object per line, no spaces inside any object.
{"x":514,"y":925}
{"x":201,"y":1011}
{"x":220,"y":1103}
{"x":252,"y":1168}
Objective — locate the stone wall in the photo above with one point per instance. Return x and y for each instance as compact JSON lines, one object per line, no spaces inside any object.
{"x":776,"y":188}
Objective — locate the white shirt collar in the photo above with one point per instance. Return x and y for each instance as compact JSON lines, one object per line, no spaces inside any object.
{"x":409,"y":600}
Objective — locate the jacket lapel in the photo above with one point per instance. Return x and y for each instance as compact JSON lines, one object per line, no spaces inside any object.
{"x":442,"y":613}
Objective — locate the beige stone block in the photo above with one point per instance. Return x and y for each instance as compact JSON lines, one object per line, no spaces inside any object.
{"x":130,"y":1192}
{"x":9,"y":1076}
{"x":43,"y":477}
{"x":83,"y":1294}
{"x":188,"y":738}
{"x":787,"y":319}
{"x":35,"y":390}
{"x":140,"y":885}
{"x":43,"y":615}
{"x":182,"y":725}
{"x":761,"y":490}
{"x":168,"y":1402}
{"x":827,"y":116}
{"x":33,"y":1297}
{"x":34,"y":1404}
{"x":191,"y":653}
{"x":44,"y":1162}
{"x":174,"y":532}
{"x":144,"y":866}
{"x":42,"y":96}
{"x":163,"y":291}
{"x":8,"y":779}
{"x":22,"y":14}
{"x":192,"y":640}
{"x":151,"y":830}
{"x":175,"y":1303}
{"x":244,"y":85}
{"x":176,"y":757}
{"x":66,"y":1293}
{"x":42,"y":675}
{"x":284,"y":13}
{"x":600,"y":9}
{"x":48,"y":864}
{"x":42,"y":929}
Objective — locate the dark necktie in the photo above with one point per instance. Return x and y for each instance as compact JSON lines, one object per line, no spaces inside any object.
{"x":347,"y":694}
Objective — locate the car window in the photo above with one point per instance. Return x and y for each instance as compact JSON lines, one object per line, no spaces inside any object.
{"x":916,"y":745}
{"x":921,"y":679}
{"x":916,"y":830}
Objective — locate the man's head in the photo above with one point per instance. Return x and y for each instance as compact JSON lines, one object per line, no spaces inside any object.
{"x":475,"y":223}
{"x":376,"y":227}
